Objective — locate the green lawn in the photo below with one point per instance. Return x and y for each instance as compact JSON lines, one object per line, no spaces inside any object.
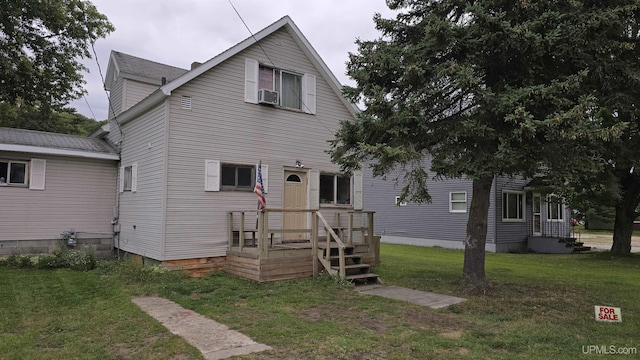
{"x":539,"y":307}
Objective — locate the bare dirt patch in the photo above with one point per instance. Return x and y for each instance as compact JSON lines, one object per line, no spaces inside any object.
{"x":604,"y":239}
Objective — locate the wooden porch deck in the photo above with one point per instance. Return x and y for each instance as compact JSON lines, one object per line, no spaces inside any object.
{"x":266,"y":255}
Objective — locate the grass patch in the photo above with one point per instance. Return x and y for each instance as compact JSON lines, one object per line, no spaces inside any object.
{"x":539,"y":307}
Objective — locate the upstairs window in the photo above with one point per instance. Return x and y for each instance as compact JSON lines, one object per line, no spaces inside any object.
{"x":335,"y":189}
{"x":13,"y":172}
{"x":287,"y":84}
{"x":295,"y":90}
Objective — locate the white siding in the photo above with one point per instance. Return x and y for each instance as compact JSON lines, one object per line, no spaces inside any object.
{"x":78,"y":195}
{"x":115,"y":108}
{"x":222,"y":126}
{"x":141,"y":223}
{"x":136,"y":91}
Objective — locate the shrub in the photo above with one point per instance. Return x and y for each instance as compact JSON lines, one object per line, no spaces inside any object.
{"x":72,"y":259}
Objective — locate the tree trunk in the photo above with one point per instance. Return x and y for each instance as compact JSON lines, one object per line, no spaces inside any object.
{"x":625,"y":214}
{"x":473,"y":270}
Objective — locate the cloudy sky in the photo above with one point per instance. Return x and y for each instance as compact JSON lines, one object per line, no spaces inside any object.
{"x":179,"y":32}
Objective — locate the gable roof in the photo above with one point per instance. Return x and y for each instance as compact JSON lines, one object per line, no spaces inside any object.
{"x":135,"y":68}
{"x":40,"y":142}
{"x":284,"y":22}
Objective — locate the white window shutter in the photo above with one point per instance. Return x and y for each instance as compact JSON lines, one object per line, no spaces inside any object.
{"x":314,"y":189}
{"x":36,"y":174}
{"x":134,"y":177}
{"x":251,"y":81}
{"x":211,"y":175}
{"x":309,"y":93}
{"x":357,"y":190}
{"x":265,"y":177}
{"x":121,"y":178}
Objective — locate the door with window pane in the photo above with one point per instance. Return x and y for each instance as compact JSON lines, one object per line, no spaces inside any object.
{"x":295,"y":197}
{"x":537,"y":215}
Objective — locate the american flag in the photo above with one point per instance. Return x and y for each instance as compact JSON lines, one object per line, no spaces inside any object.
{"x":259,"y":189}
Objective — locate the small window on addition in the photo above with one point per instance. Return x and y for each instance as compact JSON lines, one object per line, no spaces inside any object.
{"x":458,"y":201}
{"x":127,"y":178}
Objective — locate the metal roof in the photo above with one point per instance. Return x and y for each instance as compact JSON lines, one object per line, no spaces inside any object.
{"x":52,"y":143}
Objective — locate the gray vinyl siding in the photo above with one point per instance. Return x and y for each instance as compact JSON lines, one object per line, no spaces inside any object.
{"x":78,"y":195}
{"x":144,"y":144}
{"x":221,"y":126}
{"x":135,"y":91}
{"x":429,"y":221}
{"x":511,"y":231}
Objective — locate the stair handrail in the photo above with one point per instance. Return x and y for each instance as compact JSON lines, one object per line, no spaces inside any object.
{"x":341,"y":246}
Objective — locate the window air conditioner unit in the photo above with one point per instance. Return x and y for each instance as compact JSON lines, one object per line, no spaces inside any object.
{"x":267,"y":97}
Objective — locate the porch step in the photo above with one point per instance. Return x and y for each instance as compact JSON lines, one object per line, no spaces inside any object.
{"x":352,"y":267}
{"x":580,"y":249}
{"x":368,"y":277}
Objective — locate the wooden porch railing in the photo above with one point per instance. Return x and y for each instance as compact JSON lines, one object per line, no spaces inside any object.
{"x":241,"y":223}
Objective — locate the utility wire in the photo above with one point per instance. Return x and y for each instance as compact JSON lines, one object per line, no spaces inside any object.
{"x":115,"y":117}
{"x":273,"y":64}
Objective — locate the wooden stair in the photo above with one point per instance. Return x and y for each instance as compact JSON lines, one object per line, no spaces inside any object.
{"x":356,"y":270}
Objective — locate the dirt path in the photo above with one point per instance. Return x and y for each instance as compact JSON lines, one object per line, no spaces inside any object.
{"x":604,"y":239}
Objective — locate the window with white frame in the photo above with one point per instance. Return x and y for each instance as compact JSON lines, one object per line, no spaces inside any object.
{"x":458,"y":201}
{"x":237,"y":177}
{"x":513,"y":206}
{"x":335,"y":189}
{"x":128,"y":177}
{"x":295,"y":90}
{"x":287,"y":84}
{"x":555,"y":209}
{"x":13,"y":172}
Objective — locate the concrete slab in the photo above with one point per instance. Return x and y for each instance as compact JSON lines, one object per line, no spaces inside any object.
{"x":424,"y":298}
{"x":214,"y":340}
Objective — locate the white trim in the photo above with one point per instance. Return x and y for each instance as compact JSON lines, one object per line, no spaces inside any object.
{"x":358,"y":201}
{"x":451,"y":202}
{"x":251,"y":79}
{"x":134,"y":177}
{"x":561,"y":210}
{"x":37,"y":174}
{"x":309,"y":93}
{"x":121,"y":179}
{"x":212,"y":175}
{"x":314,"y":189}
{"x":534,"y":214}
{"x":53,"y":151}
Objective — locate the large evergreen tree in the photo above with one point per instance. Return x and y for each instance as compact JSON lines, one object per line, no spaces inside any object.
{"x":484,"y":88}
{"x":41,"y":44}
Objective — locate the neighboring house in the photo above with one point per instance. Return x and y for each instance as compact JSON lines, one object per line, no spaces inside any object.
{"x":190,"y":142}
{"x":55,"y":190}
{"x":519,"y":218}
